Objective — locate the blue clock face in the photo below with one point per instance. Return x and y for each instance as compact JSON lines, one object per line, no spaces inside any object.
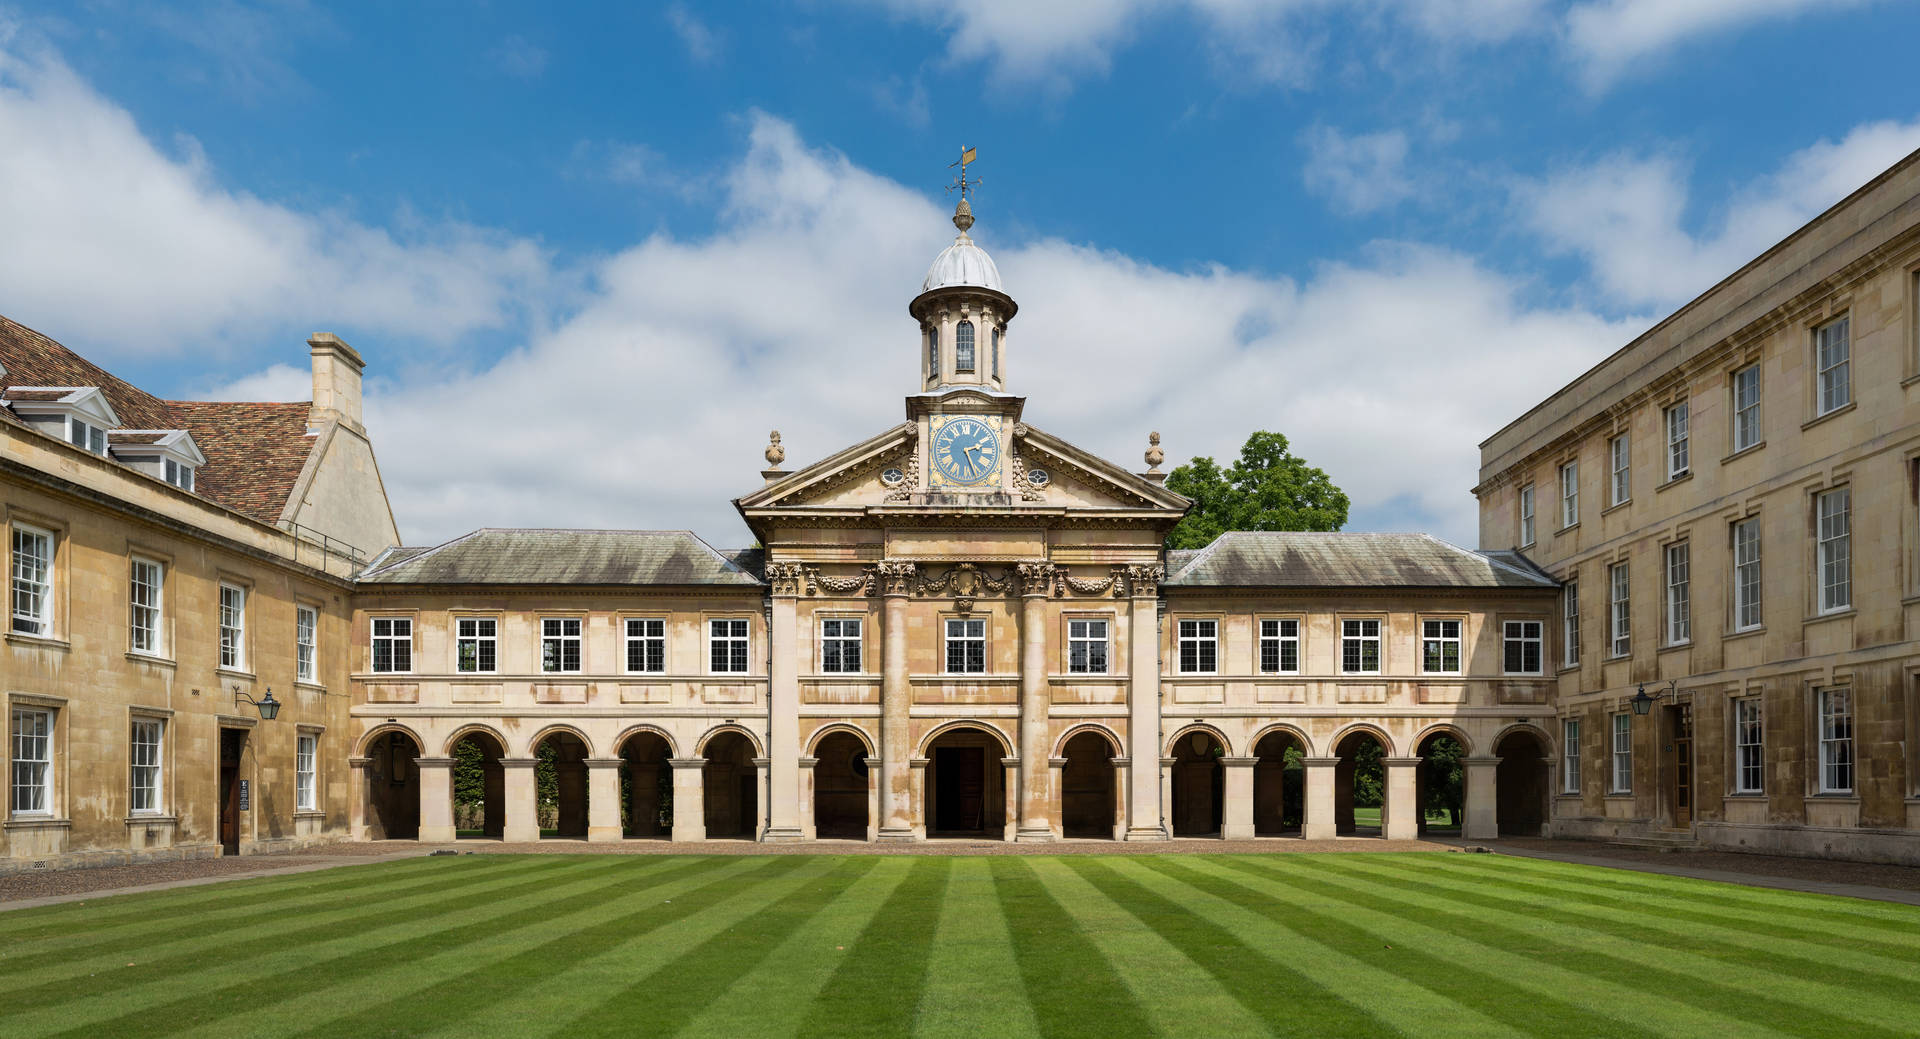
{"x":966,"y":450}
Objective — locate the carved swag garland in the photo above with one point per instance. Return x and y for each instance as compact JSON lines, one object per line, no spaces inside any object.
{"x":965,"y":581}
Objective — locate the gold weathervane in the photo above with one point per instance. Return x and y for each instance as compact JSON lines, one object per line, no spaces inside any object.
{"x":961,"y":182}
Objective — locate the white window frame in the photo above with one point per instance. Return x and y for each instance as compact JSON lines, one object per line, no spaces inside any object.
{"x":737,"y":638}
{"x":1620,"y":456}
{"x":306,"y":643}
{"x":1570,"y":755}
{"x":558,"y":635}
{"x":647,"y":635}
{"x":1197,"y":642}
{"x":1516,"y":633}
{"x":145,"y":762}
{"x":1359,"y":633}
{"x":1570,"y":622}
{"x":1833,"y":535}
{"x":1746,"y":408}
{"x":1089,"y":646}
{"x":468,"y":631}
{"x":1620,"y":770}
{"x":397,"y":638}
{"x":1747,"y":590}
{"x":1836,"y":741}
{"x":963,"y":347}
{"x":969,"y":636}
{"x":30,"y":585}
{"x":233,"y":626}
{"x":146,"y":604}
{"x":1679,"y":593}
{"x":1570,"y":494}
{"x":1749,"y":747}
{"x":1279,"y":634}
{"x":839,"y":638}
{"x":1438,"y":633}
{"x":1526,"y":516}
{"x":179,"y":475}
{"x":30,"y":733}
{"x":1832,"y":361}
{"x":1678,"y":441}
{"x":306,"y":775}
{"x":1619,"y":611}
{"x":86,"y":436}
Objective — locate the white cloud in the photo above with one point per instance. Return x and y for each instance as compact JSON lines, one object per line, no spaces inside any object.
{"x":703,"y":44}
{"x":1608,"y":37}
{"x":1359,"y":173}
{"x":93,"y":210}
{"x":1627,"y":215}
{"x":519,"y":57}
{"x":275,"y":382}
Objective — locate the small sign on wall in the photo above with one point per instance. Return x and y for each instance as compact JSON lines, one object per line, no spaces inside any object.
{"x":246,"y":795}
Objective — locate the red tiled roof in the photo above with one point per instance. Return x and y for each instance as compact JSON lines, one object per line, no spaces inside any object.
{"x":36,"y":394}
{"x":254,"y":451}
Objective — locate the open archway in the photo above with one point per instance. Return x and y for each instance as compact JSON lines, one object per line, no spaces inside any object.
{"x":1199,"y":784}
{"x":1440,"y":785}
{"x":1360,"y":784}
{"x":479,"y":785}
{"x":1279,"y":784}
{"x":646,"y":780}
{"x":966,"y":785}
{"x":393,"y":787}
{"x":1087,"y":787}
{"x":841,"y":776}
{"x":1521,"y":783}
{"x":560,"y":784}
{"x":732,"y":785}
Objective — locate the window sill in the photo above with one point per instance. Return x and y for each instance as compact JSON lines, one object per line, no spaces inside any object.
{"x":822,"y":676}
{"x":1614,"y":658}
{"x":234,"y":672}
{"x":1830,"y":616}
{"x":1835,"y":413}
{"x":152,"y":819}
{"x":21,"y":638}
{"x":1520,"y":674}
{"x":1619,"y":795}
{"x":1671,"y":646}
{"x":1569,"y":795}
{"x":1674,"y":481}
{"x":37,"y":822}
{"x":1744,"y":633}
{"x":1616,"y":507}
{"x":309,"y":813}
{"x":1568,"y":669}
{"x":152,"y":658}
{"x":390,"y":674}
{"x":302,"y":683}
{"x":1528,"y":545}
{"x":1743,"y":452}
{"x":1837,"y":797}
{"x":1747,"y":795}
{"x":1575,"y":525}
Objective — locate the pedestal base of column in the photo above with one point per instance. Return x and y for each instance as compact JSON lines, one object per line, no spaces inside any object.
{"x":893,"y":836}
{"x":1147,"y":833}
{"x":1026,"y":835}
{"x":1236,"y":833}
{"x":783,"y":835}
{"x":436,"y":835}
{"x":1318,"y":831}
{"x":597,"y":834}
{"x":520,"y":835}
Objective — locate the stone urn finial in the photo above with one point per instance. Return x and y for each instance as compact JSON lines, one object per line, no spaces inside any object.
{"x":963,"y":216}
{"x":1154,"y":455}
{"x":775,"y":453}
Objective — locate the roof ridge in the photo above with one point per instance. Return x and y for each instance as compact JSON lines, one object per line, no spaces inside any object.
{"x":1479,"y":554}
{"x":424,"y":554}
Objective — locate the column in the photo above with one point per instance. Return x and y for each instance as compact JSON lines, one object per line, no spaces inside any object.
{"x":522,"y":822}
{"x":1319,"y":824}
{"x":1036,"y":581}
{"x":1237,"y":823}
{"x":1121,"y":798}
{"x":436,"y":799}
{"x":808,"y":829}
{"x":783,"y":704}
{"x":1401,"y":820}
{"x":1482,"y":821}
{"x":1010,"y":794}
{"x":1149,"y":794}
{"x":917,"y":797}
{"x":689,"y":798}
{"x":603,"y":799}
{"x":762,"y":781}
{"x":357,"y":798}
{"x":896,"y":750}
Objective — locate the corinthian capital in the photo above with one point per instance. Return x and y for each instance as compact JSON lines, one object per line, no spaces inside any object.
{"x":1144,"y":581}
{"x":1036,"y":578}
{"x":787,"y":578}
{"x":896,"y":577}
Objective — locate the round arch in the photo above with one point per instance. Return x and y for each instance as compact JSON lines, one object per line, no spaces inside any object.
{"x":1060,"y":745}
{"x":620,"y":741}
{"x":1006,"y":745}
{"x":367,"y":741}
{"x":700,"y":747}
{"x":1386,"y":742}
{"x":1448,"y":729}
{"x":1173,"y":742}
{"x":855,"y":731}
{"x":1306,"y":745}
{"x":474,"y":729}
{"x":533,"y":744}
{"x":1546,"y":741}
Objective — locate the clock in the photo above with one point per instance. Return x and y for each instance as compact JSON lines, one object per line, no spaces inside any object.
{"x":966,"y":451}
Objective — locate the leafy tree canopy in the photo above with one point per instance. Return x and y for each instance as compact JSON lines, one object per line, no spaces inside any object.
{"x":1269,"y":488}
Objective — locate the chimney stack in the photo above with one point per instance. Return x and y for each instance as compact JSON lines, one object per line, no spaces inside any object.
{"x":336,"y":382}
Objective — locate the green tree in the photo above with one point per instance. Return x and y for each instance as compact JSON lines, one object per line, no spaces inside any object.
{"x":1369,"y":776}
{"x":1446,"y":780}
{"x":469,"y":775}
{"x":1269,"y":488}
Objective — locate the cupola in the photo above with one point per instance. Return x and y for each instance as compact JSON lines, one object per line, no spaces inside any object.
{"x":963,"y":313}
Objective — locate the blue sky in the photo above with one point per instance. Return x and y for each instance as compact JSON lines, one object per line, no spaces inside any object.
{"x":593,"y":255}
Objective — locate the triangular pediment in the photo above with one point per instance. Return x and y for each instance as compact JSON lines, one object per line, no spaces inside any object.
{"x":847,"y":478}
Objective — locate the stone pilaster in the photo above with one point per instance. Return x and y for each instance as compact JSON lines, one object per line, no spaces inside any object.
{"x":603,"y":799}
{"x":689,"y":798}
{"x":896,"y":750}
{"x":1237,"y":822}
{"x":1319,"y":824}
{"x":1145,"y":816}
{"x":1401,"y":819}
{"x":357,"y":798}
{"x":436,"y":799}
{"x":1036,"y":581}
{"x":783,"y":704}
{"x":1482,"y":819}
{"x":521,"y":806}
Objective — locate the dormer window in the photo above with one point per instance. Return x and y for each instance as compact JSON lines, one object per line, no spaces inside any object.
{"x":79,"y":415}
{"x":963,"y":347}
{"x":86,"y":436}
{"x":180,"y":476}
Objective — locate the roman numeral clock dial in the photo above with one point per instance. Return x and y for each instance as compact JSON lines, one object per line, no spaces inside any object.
{"x":966,"y":452}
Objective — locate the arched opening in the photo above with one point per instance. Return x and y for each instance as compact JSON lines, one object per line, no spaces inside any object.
{"x":1199,"y":785}
{"x":1441,"y":783}
{"x":965,"y":785}
{"x":840,"y":776}
{"x":646,"y":786}
{"x":963,"y":346}
{"x":1521,"y":783}
{"x":1360,"y":785}
{"x":1087,"y":787}
{"x":560,"y":785}
{"x":732,"y":787}
{"x":1279,"y":785}
{"x":393,"y":788}
{"x":479,"y":786}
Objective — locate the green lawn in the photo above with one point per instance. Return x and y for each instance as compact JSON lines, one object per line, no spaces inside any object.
{"x":849,"y":946}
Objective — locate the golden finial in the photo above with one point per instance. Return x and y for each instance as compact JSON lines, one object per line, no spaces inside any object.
{"x":963,"y":213}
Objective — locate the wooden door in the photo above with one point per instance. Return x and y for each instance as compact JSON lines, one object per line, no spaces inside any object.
{"x":1683,"y":765}
{"x":232,"y":745}
{"x":961,"y":804}
{"x":1193,"y":796}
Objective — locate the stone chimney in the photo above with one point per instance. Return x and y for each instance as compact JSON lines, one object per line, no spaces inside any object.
{"x":336,"y":382}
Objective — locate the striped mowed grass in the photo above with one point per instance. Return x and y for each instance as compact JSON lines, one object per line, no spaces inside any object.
{"x":1111,"y":946}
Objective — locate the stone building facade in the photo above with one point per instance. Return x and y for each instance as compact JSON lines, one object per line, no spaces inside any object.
{"x":1730,"y":500}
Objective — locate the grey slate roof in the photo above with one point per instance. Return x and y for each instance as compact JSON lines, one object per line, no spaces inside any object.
{"x":1273,"y":559}
{"x":584,"y":557}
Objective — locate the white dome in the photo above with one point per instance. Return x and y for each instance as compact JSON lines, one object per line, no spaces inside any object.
{"x":962,"y":263}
